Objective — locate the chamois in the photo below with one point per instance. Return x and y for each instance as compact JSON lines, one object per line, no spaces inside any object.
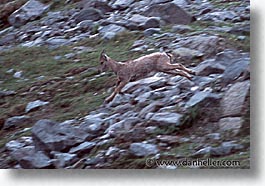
{"x":132,"y":70}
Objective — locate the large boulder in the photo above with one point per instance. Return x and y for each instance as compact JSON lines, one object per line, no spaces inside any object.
{"x":143,"y":149}
{"x":28,"y":12}
{"x":28,"y":158}
{"x":234,"y":99}
{"x":89,"y":14}
{"x":51,"y":136}
{"x":170,"y":13}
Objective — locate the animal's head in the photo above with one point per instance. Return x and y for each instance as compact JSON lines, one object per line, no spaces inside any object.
{"x":103,"y":60}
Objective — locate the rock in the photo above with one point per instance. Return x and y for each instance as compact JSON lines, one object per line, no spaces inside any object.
{"x":138,"y":19}
{"x":8,"y":39}
{"x":153,"y":81}
{"x":152,"y":22}
{"x":233,"y":124}
{"x":4,"y":93}
{"x":50,"y":136}
{"x":203,"y":99}
{"x":225,"y":148}
{"x":152,"y":107}
{"x":143,"y":149}
{"x":31,"y":106}
{"x":110,"y":31}
{"x":88,"y":14}
{"x":82,"y":148}
{"x":202,"y":152}
{"x":28,"y":158}
{"x":123,"y":108}
{"x":121,"y":4}
{"x":93,"y":123}
{"x":151,"y":31}
{"x":167,"y":119}
{"x":28,"y":12}
{"x":187,"y":53}
{"x":123,"y":126}
{"x":56,"y":41}
{"x":85,"y":25}
{"x":181,"y":3}
{"x":214,"y":136}
{"x":14,"y":145}
{"x":170,"y":13}
{"x":219,"y":16}
{"x":207,"y":44}
{"x":100,"y":5}
{"x":17,"y":121}
{"x":168,"y":139}
{"x":181,"y":29}
{"x":209,"y":67}
{"x":18,"y":75}
{"x":112,"y":151}
{"x":240,"y":30}
{"x":64,"y":159}
{"x":233,"y":71}
{"x":233,"y":101}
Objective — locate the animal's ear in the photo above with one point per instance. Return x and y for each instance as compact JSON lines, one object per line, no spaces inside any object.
{"x":103,"y":55}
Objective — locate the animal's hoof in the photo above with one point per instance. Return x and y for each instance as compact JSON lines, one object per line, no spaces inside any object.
{"x":193,"y":72}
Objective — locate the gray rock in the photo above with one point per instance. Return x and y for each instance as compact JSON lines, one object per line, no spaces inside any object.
{"x":225,"y":148}
{"x":4,"y":93}
{"x":93,"y":123}
{"x":64,"y":159}
{"x":143,"y":149}
{"x":187,"y":53}
{"x":56,"y":41}
{"x":207,"y":44}
{"x":123,"y":126}
{"x":151,"y":31}
{"x":203,"y":99}
{"x":18,"y":75}
{"x":181,"y":29}
{"x":85,"y":25}
{"x":110,"y":31}
{"x":209,"y":67}
{"x":28,"y":12}
{"x":50,"y":136}
{"x":233,"y":124}
{"x":170,"y":13}
{"x":8,"y":39}
{"x":121,"y":4}
{"x":88,"y":14}
{"x":152,"y":107}
{"x":35,"y":105}
{"x":17,"y":121}
{"x":152,"y":22}
{"x":233,"y":71}
{"x":233,"y":101}
{"x":14,"y":145}
{"x":28,"y":158}
{"x":220,"y":16}
{"x":82,"y":148}
{"x":214,"y":136}
{"x":167,"y":118}
{"x":181,"y":3}
{"x":112,"y":151}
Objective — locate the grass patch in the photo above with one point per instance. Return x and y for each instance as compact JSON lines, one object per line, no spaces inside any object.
{"x":72,"y":88}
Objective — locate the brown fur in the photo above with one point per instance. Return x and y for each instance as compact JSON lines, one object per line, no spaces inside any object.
{"x":139,"y":68}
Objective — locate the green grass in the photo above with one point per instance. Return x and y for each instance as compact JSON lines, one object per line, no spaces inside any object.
{"x":68,"y":98}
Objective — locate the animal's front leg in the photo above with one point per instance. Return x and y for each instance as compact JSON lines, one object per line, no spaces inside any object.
{"x":116,"y":91}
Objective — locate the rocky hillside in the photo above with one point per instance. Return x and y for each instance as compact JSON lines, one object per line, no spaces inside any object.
{"x":51,"y":94}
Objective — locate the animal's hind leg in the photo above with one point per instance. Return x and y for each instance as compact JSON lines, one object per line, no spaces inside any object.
{"x":178,"y":66}
{"x":179,"y":73}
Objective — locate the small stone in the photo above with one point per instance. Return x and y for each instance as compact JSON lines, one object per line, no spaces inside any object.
{"x":233,"y":101}
{"x":233,"y":124}
{"x":82,"y":148}
{"x":143,"y":149}
{"x":167,"y":118}
{"x":18,"y":75}
{"x":63,"y":159}
{"x":17,"y":121}
{"x":35,"y":105}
